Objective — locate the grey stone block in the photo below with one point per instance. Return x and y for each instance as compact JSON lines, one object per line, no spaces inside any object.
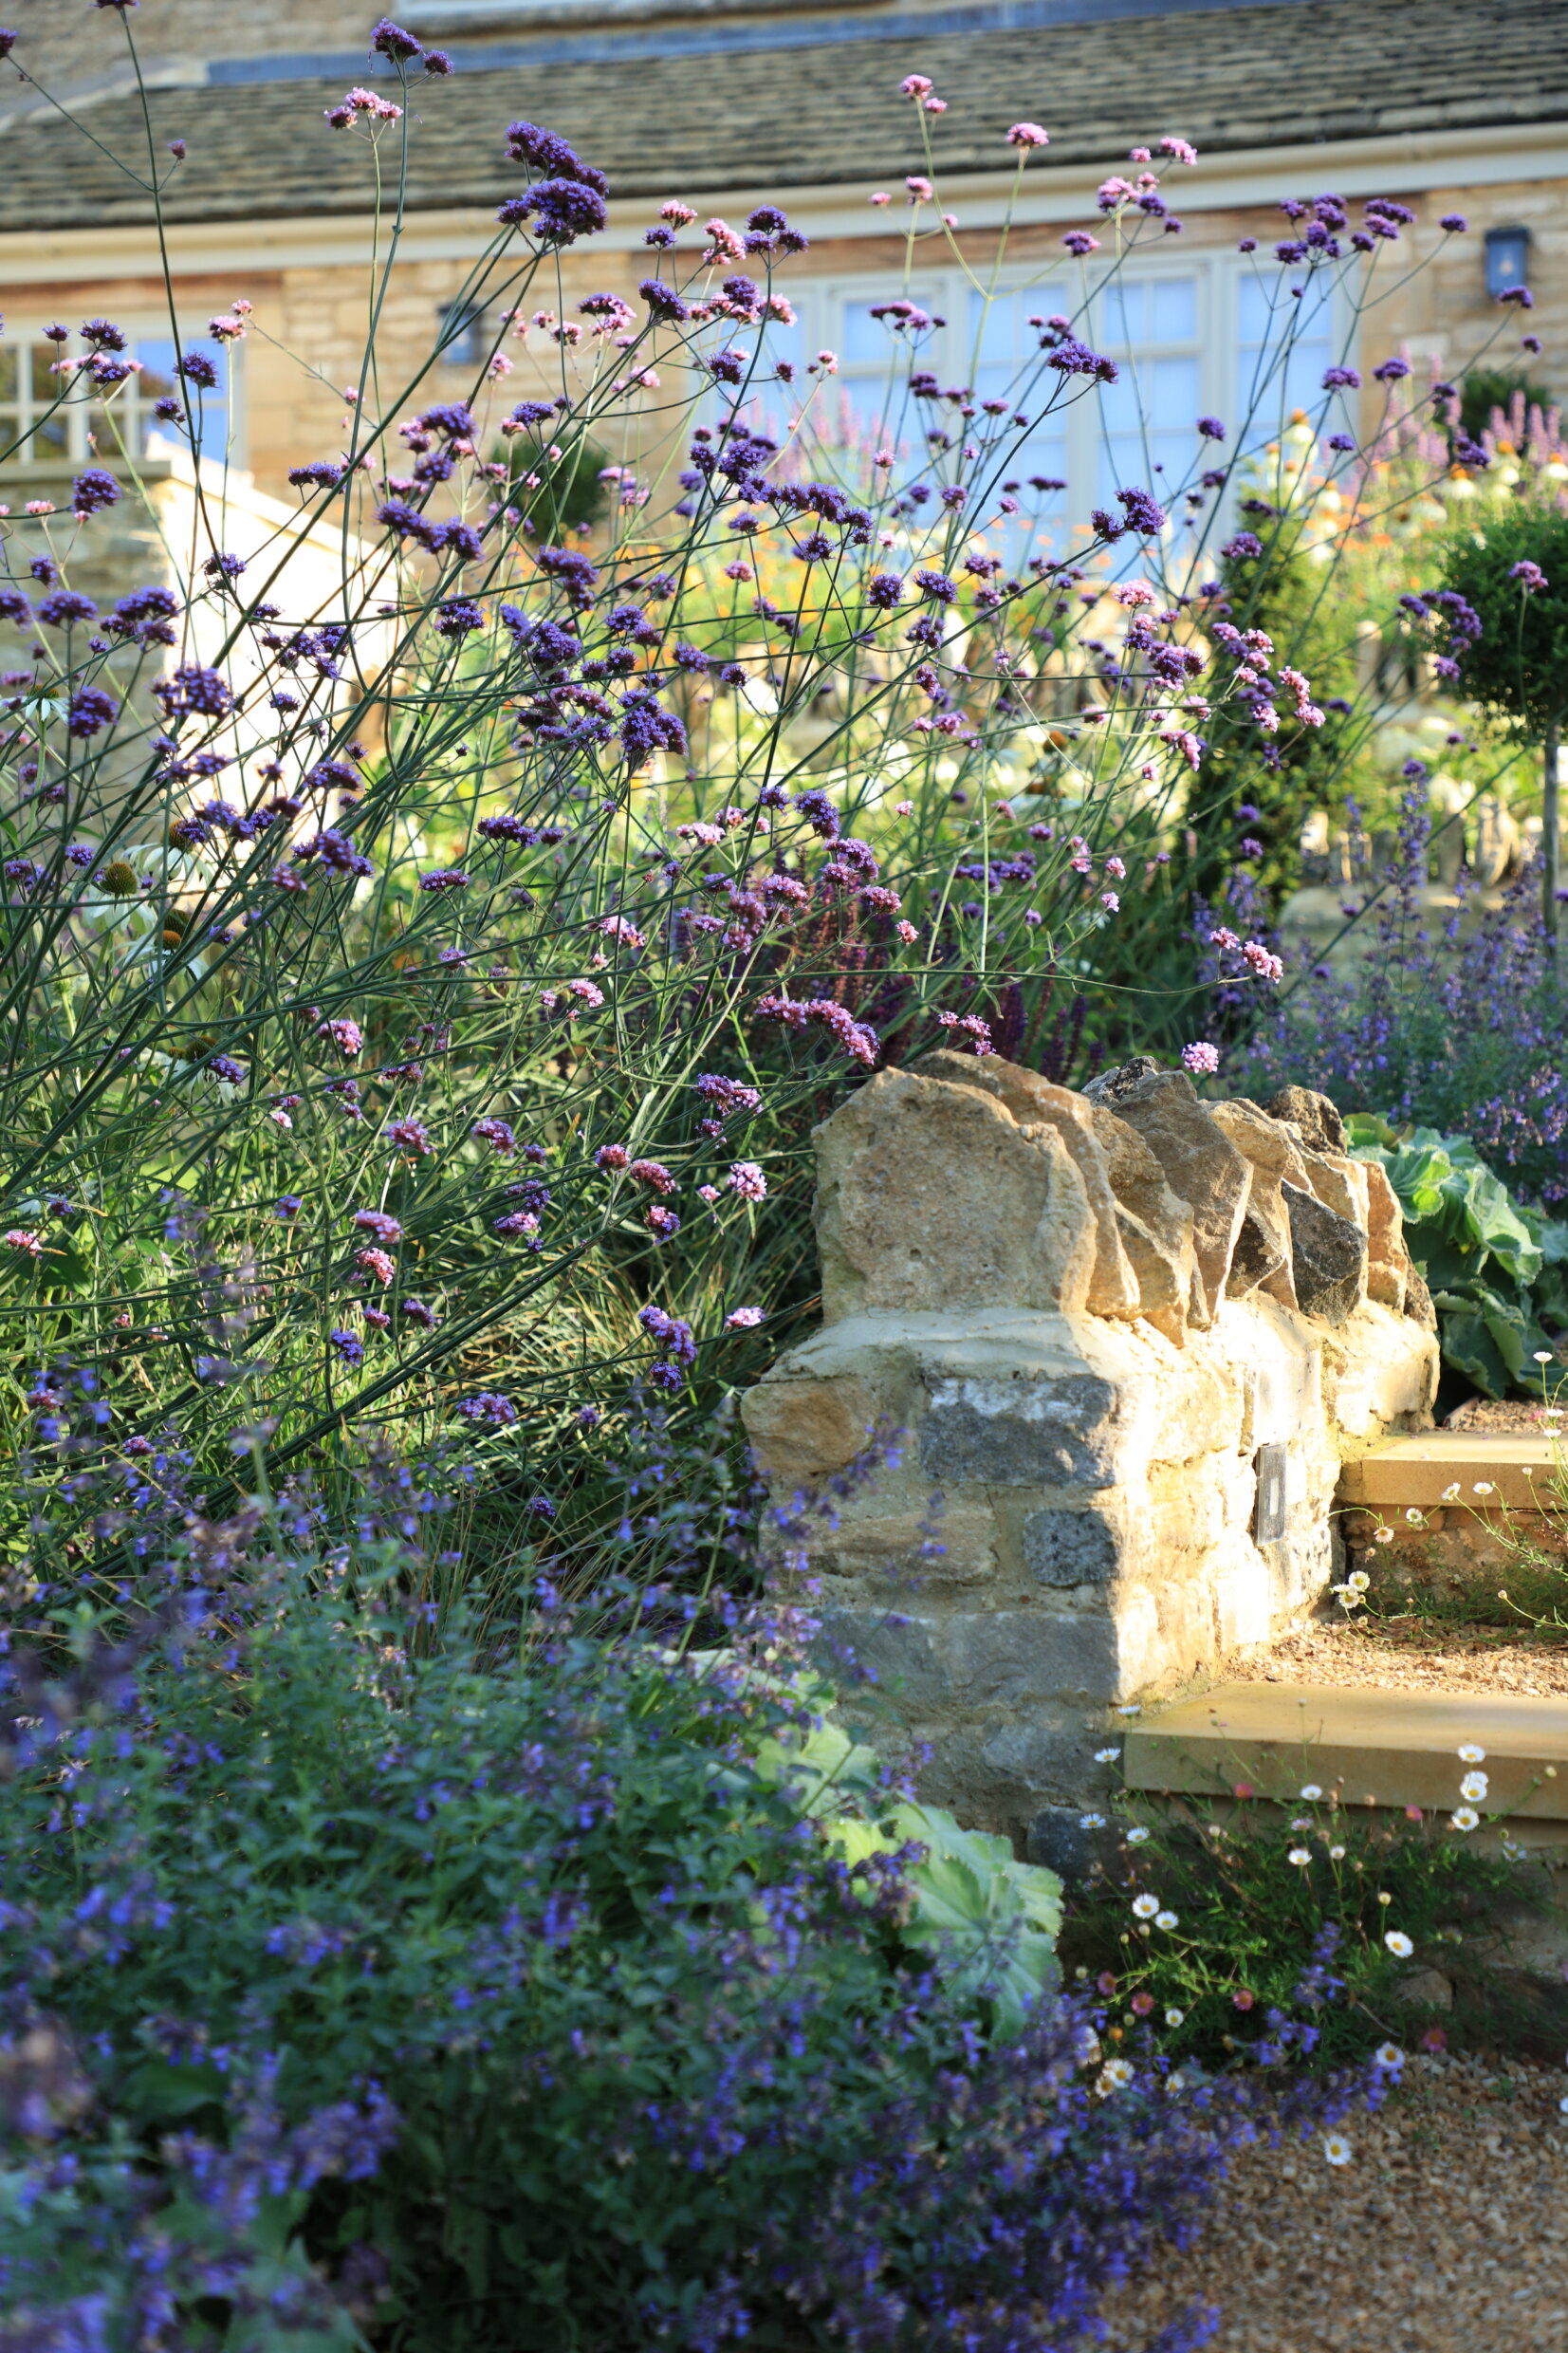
{"x":1070,"y":1547}
{"x":971,"y":1661}
{"x":1021,"y":1432}
{"x":1327,"y":1257}
{"x":1057,"y":1837}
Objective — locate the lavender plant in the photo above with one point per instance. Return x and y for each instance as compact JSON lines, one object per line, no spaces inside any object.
{"x":355,"y":1990}
{"x":417,"y":999}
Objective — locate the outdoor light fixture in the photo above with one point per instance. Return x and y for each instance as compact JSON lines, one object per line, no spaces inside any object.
{"x":1507,"y":259}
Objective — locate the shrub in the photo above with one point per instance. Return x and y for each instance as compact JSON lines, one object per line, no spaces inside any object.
{"x":347,"y":1985}
{"x":1458,"y":1029}
{"x":1494,"y":1265}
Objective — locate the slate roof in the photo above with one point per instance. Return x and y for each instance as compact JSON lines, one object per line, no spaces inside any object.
{"x":796,"y":113}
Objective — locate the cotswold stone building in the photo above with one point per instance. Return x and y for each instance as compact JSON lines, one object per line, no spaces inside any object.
{"x":1447,"y":105}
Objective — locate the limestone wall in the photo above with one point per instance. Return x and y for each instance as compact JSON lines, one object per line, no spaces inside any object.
{"x":1129,"y":1338}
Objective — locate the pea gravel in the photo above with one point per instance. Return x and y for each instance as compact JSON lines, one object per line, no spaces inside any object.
{"x":1445,"y":2232}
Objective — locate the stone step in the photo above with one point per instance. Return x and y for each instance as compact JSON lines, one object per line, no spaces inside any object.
{"x":1416,"y":1472}
{"x":1384,"y":1749}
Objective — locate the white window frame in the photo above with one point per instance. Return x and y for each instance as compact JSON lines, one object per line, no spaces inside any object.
{"x":25,"y":335}
{"x":1217,"y":272}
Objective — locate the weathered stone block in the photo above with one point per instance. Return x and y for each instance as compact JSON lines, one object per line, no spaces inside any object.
{"x":802,"y":1430}
{"x":1328,"y":1256}
{"x":1035,"y":1102}
{"x":979,"y":1659}
{"x":1200,"y":1165}
{"x":1063,"y":1548}
{"x":930,"y":1196}
{"x":1022,"y":1433}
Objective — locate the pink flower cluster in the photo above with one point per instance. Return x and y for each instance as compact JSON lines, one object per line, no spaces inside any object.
{"x":856,"y":1038}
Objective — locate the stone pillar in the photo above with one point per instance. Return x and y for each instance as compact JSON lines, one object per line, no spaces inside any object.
{"x":1121,"y":1427}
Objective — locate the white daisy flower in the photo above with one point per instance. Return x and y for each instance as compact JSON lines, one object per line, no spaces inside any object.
{"x":1137,"y":1836}
{"x":1166,"y":1919}
{"x":1382,"y":1536}
{"x":1482,"y":1486}
{"x":1311,"y":1791}
{"x":1144,"y":1907}
{"x":1415,"y":1518}
{"x":1389,"y":2055}
{"x":1177,"y":2082}
{"x":1175,"y":2017}
{"x":1465,"y":1818}
{"x":1091,"y":1821}
{"x":1562,"y":2107}
{"x":1543,"y":1356}
{"x":1470,"y":1754}
{"x":1358,"y":1580}
{"x":1114,"y":2075}
{"x":1336,"y":2148}
{"x":1398,"y":1944}
{"x":1473,"y":1787}
{"x":1337,"y":1854}
{"x":1106,"y":1756}
{"x":1299,"y":1855}
{"x":1450,"y":1494}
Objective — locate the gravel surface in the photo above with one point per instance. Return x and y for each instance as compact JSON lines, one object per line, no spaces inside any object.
{"x":1445,"y":2232}
{"x":1505,"y":1416}
{"x":1412,"y":1654}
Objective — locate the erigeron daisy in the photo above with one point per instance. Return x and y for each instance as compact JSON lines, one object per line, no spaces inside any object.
{"x":1139,"y":1836}
{"x":1384,"y":1898}
{"x":1358,"y":1580}
{"x":1175,"y":2017}
{"x":1415,"y":1518}
{"x":1543,"y":1356}
{"x":1166,"y":1919}
{"x":1473,"y":1786}
{"x":1450,"y":1494}
{"x":1106,"y":1756}
{"x":1337,"y":1854}
{"x":1382,"y":1535}
{"x":1299,"y":1855}
{"x":1114,"y":2075}
{"x":1336,"y":2148}
{"x":1311,"y":1791}
{"x":1465,"y":1818}
{"x":1144,"y":1907}
{"x":1482,"y":1486}
{"x":1471,"y":1755}
{"x":1388,"y":2055}
{"x":1091,"y":1821}
{"x":1398,"y":1944}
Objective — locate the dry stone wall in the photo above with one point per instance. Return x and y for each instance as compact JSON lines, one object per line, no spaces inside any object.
{"x":1128,"y":1338}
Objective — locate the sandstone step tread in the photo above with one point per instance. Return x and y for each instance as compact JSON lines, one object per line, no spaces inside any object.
{"x":1523,"y":1473}
{"x":1378,"y":1747}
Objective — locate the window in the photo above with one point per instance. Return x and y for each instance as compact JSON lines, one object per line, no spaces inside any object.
{"x":27,"y":391}
{"x":461,"y":334}
{"x":1004,"y":360}
{"x":1147,"y":417}
{"x":1282,"y":347}
{"x":35,"y":426}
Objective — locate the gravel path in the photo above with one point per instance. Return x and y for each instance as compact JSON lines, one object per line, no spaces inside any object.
{"x":1414,"y":1655}
{"x":1445,"y":2232}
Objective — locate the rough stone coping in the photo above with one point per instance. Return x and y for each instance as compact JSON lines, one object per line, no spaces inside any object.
{"x":1525,"y":1474}
{"x":1377,"y":1748}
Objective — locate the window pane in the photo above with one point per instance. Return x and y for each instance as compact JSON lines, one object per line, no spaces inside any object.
{"x":1282,"y":348}
{"x":1146,"y":426}
{"x":51,"y":439}
{"x":1009,"y":368}
{"x":10,"y":375}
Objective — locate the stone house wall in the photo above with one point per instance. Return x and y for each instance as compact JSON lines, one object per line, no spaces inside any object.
{"x":1127,"y":1338}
